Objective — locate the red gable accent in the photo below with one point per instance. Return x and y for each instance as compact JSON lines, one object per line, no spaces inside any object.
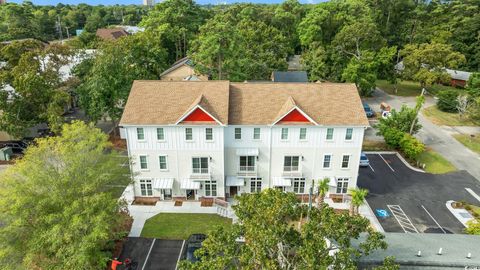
{"x":198,"y":115}
{"x":294,"y":116}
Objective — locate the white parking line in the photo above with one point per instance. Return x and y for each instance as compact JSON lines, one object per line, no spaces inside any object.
{"x":402,"y":219}
{"x":473,"y":193}
{"x":180,"y":255}
{"x":371,"y":167}
{"x":387,"y":163}
{"x":148,"y":255}
{"x":434,"y":220}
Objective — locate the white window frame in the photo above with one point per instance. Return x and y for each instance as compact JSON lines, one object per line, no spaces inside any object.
{"x":291,"y":162}
{"x":249,"y":163}
{"x":259,"y":133}
{"x":211,"y":134}
{"x":348,"y":161}
{"x":333,"y":134}
{"x":211,"y":188}
{"x":146,"y":185}
{"x":239,"y":133}
{"x":351,"y":134}
{"x":299,"y":185}
{"x":138,"y":133}
{"x":342,"y":185}
{"x":255,"y":188}
{"x":282,"y":133}
{"x":163,"y":134}
{"x":300,"y":134}
{"x":191,"y":134}
{"x":166,"y":163}
{"x":329,"y":161}
{"x":140,"y":162}
{"x":201,"y":171}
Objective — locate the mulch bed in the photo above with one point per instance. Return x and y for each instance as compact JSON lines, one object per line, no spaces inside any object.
{"x":178,"y":203}
{"x":208,"y":203}
{"x":141,"y":201}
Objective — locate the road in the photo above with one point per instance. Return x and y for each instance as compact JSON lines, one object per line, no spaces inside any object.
{"x":436,"y":137}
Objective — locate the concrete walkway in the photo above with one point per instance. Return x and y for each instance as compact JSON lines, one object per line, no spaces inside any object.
{"x":436,"y":137}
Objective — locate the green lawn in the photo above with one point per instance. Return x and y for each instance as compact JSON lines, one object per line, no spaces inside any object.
{"x":409,"y":88}
{"x":374,"y":146}
{"x":180,"y":226}
{"x":435,"y":163}
{"x":445,"y":118}
{"x":472,"y":143}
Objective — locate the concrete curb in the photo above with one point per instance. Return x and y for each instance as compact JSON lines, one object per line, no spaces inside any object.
{"x":366,"y":211}
{"x":399,"y":157}
{"x":457,"y":213}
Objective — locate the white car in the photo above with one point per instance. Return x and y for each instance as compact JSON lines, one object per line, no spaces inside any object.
{"x":364,"y":162}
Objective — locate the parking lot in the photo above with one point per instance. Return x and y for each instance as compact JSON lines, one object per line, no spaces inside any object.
{"x":405,"y":200}
{"x":152,"y":254}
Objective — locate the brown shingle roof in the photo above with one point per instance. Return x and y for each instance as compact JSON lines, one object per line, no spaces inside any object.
{"x":111,"y":33}
{"x":165,"y":102}
{"x":325,"y":103}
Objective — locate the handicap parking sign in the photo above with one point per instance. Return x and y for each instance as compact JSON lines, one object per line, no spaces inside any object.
{"x":382,"y":213}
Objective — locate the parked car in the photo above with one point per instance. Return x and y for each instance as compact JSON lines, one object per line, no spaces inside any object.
{"x":193,"y":243}
{"x":18,"y":147}
{"x":368,"y":110}
{"x":364,"y":162}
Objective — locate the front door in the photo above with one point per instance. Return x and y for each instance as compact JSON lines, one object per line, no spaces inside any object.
{"x":190,"y":194}
{"x":167,"y":194}
{"x":233,"y":191}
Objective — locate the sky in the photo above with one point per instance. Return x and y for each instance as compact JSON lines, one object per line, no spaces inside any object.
{"x":139,"y":2}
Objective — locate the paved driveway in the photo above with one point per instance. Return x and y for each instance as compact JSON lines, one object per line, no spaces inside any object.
{"x":152,"y":254}
{"x":414,"y":201}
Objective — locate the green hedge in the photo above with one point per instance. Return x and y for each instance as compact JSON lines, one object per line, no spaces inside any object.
{"x":447,"y":100}
{"x":403,"y":142}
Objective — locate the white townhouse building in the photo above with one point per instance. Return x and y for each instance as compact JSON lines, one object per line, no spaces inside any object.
{"x":205,"y":139}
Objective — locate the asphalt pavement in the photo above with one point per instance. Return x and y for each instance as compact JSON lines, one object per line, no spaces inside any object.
{"x":414,"y":201}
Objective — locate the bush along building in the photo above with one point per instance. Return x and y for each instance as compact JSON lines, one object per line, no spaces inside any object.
{"x":190,"y":140}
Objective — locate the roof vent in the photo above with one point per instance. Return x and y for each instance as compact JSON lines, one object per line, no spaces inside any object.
{"x":419,"y":254}
{"x":469,"y":255}
{"x":440,"y":251}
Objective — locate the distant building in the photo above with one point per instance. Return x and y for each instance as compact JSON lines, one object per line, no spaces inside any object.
{"x":458,"y":77}
{"x":3,"y":2}
{"x":182,"y":70}
{"x":111,"y":33}
{"x":289,"y":76}
{"x":294,"y":62}
{"x":148,"y":2}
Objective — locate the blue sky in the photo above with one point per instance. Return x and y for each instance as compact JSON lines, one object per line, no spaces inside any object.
{"x":125,"y":2}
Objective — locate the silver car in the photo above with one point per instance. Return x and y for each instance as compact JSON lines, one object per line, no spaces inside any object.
{"x":364,"y":162}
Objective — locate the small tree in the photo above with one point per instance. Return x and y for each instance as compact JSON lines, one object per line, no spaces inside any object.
{"x":400,"y":120}
{"x":473,"y":227}
{"x":323,"y":187}
{"x":358,"y":198}
{"x":447,"y":100}
{"x":411,"y":146}
{"x":462,"y":104}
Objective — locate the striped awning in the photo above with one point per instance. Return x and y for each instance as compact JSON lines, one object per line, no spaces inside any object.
{"x":282,"y":182}
{"x":234,"y":181}
{"x":247,"y":152}
{"x":189,"y":184}
{"x":163,"y":183}
{"x":333,"y":182}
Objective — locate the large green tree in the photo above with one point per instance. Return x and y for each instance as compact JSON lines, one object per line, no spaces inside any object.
{"x":57,"y":204}
{"x":268,"y":226}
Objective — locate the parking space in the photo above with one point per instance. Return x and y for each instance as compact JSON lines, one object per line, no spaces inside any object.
{"x":405,"y":200}
{"x":152,"y":254}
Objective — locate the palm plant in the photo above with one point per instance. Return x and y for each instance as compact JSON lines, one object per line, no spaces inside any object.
{"x":358,"y":197}
{"x":322,"y":190}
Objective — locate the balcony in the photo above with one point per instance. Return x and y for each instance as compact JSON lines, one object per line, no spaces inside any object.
{"x":292,"y":171}
{"x":200,"y":174}
{"x":247,"y":170}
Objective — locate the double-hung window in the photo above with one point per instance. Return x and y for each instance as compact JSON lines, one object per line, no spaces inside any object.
{"x":238,"y":133}
{"x":329,"y":134}
{"x":299,"y":185}
{"x":211,"y":188}
{"x":143,"y":162}
{"x":303,"y":134}
{"x":200,"y":165}
{"x":160,"y":134}
{"x":140,"y":134}
{"x":255,"y":185}
{"x":256,"y":133}
{"x":327,"y":160}
{"x":345,"y":161}
{"x":342,"y":185}
{"x":349,"y":134}
{"x":188,"y":134}
{"x":209,"y":134}
{"x":247,"y":163}
{"x":162,"y":162}
{"x":290,"y":163}
{"x":146,"y":187}
{"x":284,"y":134}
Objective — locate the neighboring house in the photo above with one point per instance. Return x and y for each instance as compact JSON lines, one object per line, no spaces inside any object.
{"x":458,"y":78}
{"x":111,"y":33}
{"x":289,"y":76}
{"x":205,"y":139}
{"x":182,"y":70}
{"x":295,"y":62}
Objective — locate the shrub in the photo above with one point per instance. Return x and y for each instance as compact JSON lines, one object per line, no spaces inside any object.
{"x":411,"y":146}
{"x":447,"y":100}
{"x":393,"y":137}
{"x":473,"y":227}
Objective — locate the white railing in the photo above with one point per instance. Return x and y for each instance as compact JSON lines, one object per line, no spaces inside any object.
{"x":292,"y":171}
